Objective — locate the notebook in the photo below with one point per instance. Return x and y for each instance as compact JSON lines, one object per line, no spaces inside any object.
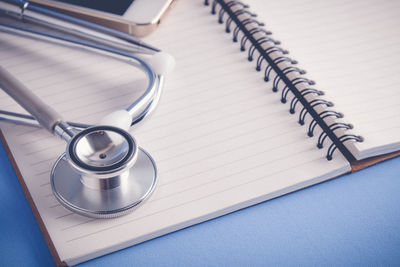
{"x":223,"y":137}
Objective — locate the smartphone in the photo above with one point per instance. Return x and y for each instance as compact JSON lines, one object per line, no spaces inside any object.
{"x":135,"y":17}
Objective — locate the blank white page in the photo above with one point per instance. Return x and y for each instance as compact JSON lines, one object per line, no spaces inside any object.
{"x":221,"y":139}
{"x":352,"y":50}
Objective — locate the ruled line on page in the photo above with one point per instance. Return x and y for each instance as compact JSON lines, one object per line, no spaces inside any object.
{"x":209,"y":122}
{"x":81,"y":223}
{"x":221,"y":177}
{"x":29,"y":132}
{"x":268,"y":149}
{"x":65,"y":215}
{"x":43,"y":172}
{"x":213,"y":144}
{"x":211,"y":111}
{"x":55,"y":206}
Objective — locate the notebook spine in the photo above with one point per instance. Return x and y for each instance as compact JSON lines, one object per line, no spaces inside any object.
{"x":285,"y":76}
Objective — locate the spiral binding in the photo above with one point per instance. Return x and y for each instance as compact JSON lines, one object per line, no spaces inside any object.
{"x":245,"y":23}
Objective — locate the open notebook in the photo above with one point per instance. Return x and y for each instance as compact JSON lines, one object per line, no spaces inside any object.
{"x":221,"y":137}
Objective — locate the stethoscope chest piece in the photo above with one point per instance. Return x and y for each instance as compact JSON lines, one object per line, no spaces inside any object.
{"x":103,"y":173}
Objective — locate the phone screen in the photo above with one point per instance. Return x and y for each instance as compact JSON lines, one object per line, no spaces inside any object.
{"x":117,"y":7}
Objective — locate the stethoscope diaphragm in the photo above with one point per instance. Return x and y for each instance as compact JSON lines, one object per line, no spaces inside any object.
{"x":91,"y":198}
{"x":103,"y":173}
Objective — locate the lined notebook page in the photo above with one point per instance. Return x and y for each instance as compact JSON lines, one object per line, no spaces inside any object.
{"x":352,"y":50}
{"x":221,"y":139}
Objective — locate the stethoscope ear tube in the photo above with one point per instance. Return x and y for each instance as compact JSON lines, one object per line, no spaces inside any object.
{"x":44,"y":114}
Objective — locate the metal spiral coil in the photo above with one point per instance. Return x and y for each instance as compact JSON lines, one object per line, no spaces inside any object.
{"x":333,"y":127}
{"x":240,"y":20}
{"x":343,"y":138}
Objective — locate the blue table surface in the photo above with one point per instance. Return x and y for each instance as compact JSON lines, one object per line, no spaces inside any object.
{"x":352,"y":220}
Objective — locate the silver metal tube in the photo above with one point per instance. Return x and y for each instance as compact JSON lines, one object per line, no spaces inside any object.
{"x":144,"y":100}
{"x":64,"y":130}
{"x":31,"y":121}
{"x":152,"y":105}
{"x":44,"y":114}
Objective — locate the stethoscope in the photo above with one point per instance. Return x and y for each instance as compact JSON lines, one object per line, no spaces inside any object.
{"x":103,"y":172}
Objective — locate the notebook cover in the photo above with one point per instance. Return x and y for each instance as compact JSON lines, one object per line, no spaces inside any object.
{"x":361,"y":164}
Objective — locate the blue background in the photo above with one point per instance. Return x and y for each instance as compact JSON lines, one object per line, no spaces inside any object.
{"x":352,"y":220}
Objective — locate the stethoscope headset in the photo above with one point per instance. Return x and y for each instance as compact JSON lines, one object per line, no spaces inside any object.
{"x":103,"y":173}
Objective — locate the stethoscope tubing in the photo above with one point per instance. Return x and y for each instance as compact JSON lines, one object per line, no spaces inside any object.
{"x":27,"y":119}
{"x":103,"y":172}
{"x":139,"y":109}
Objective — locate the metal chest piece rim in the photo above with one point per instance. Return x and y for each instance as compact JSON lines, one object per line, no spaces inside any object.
{"x":112,"y":199}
